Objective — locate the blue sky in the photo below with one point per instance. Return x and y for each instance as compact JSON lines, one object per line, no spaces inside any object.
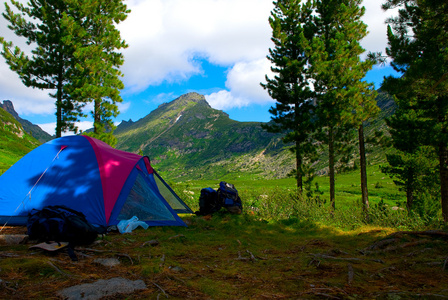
{"x":217,"y":48}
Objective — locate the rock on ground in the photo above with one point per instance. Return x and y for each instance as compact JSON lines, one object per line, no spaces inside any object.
{"x":102,"y":288}
{"x":13,"y":239}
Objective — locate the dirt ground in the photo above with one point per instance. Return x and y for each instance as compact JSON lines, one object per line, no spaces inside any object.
{"x":199,"y":262}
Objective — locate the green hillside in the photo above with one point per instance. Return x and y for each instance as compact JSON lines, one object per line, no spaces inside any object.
{"x":14,"y":141}
{"x":186,"y":138}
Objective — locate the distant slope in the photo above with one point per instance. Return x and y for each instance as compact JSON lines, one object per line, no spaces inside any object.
{"x":186,"y":138}
{"x":14,"y":141}
{"x":29,"y":127}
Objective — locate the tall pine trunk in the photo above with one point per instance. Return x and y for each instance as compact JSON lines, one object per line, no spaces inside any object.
{"x":299,"y":175}
{"x":443,"y":163}
{"x":59,"y":87}
{"x":410,"y":196}
{"x":363,"y":163}
{"x":331,"y":166}
{"x":97,"y":117}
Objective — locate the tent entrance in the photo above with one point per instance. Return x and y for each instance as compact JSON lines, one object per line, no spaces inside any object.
{"x":170,"y":196}
{"x":141,"y":197}
{"x":145,"y":203}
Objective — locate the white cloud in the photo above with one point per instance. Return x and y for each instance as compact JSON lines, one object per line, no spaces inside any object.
{"x":123,"y":106}
{"x":375,"y":18}
{"x":165,"y":36}
{"x":243,"y":84}
{"x":244,"y":80}
{"x":25,"y":100}
{"x":50,"y":128}
{"x":225,"y":100}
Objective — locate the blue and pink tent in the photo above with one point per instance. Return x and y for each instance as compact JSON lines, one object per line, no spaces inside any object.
{"x":89,"y":176}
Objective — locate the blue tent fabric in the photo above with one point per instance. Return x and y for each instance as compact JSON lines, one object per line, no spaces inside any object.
{"x":66,"y":171}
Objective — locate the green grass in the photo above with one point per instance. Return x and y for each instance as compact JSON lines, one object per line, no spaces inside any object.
{"x":277,"y":200}
{"x":348,"y":190}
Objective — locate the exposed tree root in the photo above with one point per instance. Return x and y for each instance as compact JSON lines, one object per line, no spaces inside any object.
{"x":390,"y":243}
{"x":351,"y":259}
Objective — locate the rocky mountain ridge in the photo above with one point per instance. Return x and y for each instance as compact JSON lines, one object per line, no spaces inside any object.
{"x":29,"y":127}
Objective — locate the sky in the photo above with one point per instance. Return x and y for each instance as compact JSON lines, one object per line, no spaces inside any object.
{"x":217,"y":48}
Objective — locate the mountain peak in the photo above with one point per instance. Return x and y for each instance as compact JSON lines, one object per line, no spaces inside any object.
{"x":29,"y":127}
{"x":184,"y":101}
{"x":9,"y":107}
{"x":191,"y":97}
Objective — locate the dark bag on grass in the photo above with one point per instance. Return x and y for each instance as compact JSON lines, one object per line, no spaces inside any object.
{"x":229,"y":197}
{"x":209,"y":202}
{"x":59,"y":223}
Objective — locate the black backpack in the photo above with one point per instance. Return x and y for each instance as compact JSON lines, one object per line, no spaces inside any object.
{"x":209,"y":202}
{"x":228,"y":195}
{"x":59,"y":223}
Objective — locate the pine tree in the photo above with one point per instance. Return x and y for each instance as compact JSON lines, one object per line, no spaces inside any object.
{"x":343,"y":99}
{"x":293,"y":112}
{"x":418,"y":46}
{"x":96,"y":40}
{"x":410,"y":162}
{"x":51,"y":65}
{"x":75,"y":54}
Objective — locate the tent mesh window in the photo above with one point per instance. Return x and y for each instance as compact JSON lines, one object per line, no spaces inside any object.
{"x":175,"y":202}
{"x":144,"y":203}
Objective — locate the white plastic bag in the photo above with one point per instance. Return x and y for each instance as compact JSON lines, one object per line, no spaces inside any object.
{"x":126,"y":226}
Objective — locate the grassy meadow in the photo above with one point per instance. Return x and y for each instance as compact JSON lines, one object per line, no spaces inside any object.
{"x":277,"y":200}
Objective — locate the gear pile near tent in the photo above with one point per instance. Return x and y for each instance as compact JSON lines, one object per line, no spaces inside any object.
{"x":87,"y":175}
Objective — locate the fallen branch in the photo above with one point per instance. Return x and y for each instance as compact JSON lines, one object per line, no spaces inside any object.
{"x":252,"y":257}
{"x":352,"y":259}
{"x":241,"y":257}
{"x":320,"y":292}
{"x":307,"y":243}
{"x":3,"y":284}
{"x":176,"y":237}
{"x":2,"y":254}
{"x":381,"y":244}
{"x":444,"y":264}
{"x":57,"y":269}
{"x":158,"y":286}
{"x":93,"y":250}
{"x":162,"y":261}
{"x":418,"y":252}
{"x":394,"y":248}
{"x":125,"y":255}
{"x":424,"y":295}
{"x":351,"y":274}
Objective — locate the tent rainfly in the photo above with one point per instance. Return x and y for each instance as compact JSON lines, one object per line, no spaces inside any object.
{"x":89,"y":176}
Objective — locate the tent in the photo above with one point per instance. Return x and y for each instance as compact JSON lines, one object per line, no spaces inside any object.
{"x":89,"y":176}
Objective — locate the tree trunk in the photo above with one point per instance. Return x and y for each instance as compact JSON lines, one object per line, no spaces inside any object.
{"x":331,"y":166}
{"x":443,"y":160}
{"x":59,"y":122}
{"x":409,"y":197}
{"x":97,"y":116}
{"x":363,"y":163}
{"x":299,"y":174}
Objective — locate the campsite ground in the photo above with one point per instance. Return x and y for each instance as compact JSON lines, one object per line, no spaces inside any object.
{"x":241,"y":257}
